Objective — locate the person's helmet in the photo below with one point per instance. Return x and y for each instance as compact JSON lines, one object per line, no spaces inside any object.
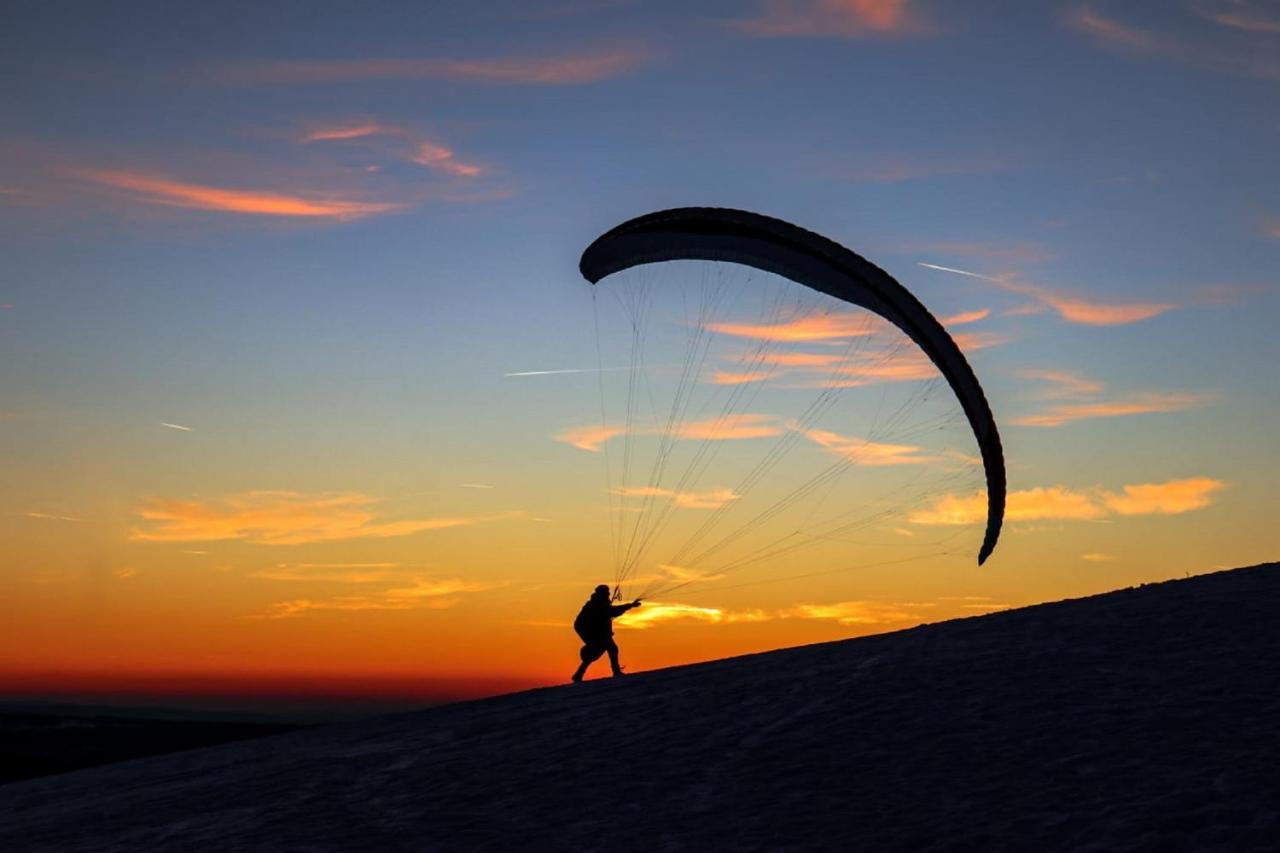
{"x":602,"y":589}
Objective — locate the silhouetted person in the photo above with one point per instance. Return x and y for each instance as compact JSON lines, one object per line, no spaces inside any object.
{"x":595,"y":626}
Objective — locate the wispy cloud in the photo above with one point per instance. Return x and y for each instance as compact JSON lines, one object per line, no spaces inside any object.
{"x":1073,"y":309}
{"x":1063,"y":504}
{"x":178,"y":427}
{"x":1142,"y":404}
{"x":711,"y":499}
{"x":353,"y":573}
{"x":1239,"y":16}
{"x":832,"y":18}
{"x":679,"y":573}
{"x":162,"y":191}
{"x":728,"y":377}
{"x":863,"y":612}
{"x":442,"y":159}
{"x":345,"y":132}
{"x":1064,"y":383}
{"x":590,"y":438}
{"x":1097,"y":557}
{"x":1247,"y":58}
{"x":279,"y":518}
{"x":422,"y":594}
{"x":399,"y":143}
{"x":966,"y":317}
{"x":820,"y":327}
{"x":861,"y":451}
{"x":899,"y":168}
{"x":564,"y":70}
{"x":48,"y":516}
{"x":1004,"y":253}
{"x":733,"y":428}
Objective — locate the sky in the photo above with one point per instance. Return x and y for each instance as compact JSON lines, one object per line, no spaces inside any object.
{"x":270,"y":267}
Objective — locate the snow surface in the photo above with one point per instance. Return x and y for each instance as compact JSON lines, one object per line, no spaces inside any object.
{"x":1144,"y":719}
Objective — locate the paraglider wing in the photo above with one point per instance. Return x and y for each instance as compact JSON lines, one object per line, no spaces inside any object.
{"x":737,"y":236}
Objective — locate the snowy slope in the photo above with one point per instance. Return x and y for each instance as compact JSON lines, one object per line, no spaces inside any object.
{"x":1146,"y":718}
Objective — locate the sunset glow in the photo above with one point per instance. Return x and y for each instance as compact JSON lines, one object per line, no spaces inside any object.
{"x":302,"y":390}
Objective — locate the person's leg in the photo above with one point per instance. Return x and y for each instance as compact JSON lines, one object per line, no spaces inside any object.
{"x":612,"y":648}
{"x":589,"y":654}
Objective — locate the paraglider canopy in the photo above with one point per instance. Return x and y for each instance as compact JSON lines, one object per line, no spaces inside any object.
{"x":808,"y":259}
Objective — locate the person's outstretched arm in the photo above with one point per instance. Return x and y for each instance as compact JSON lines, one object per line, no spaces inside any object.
{"x":616,"y":610}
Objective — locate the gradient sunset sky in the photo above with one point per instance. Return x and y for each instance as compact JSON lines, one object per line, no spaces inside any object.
{"x":268,"y":267}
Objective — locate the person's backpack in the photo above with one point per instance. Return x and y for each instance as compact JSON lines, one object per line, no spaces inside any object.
{"x":582,"y":625}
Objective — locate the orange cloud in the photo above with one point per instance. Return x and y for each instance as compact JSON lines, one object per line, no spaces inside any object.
{"x":1077,"y":310}
{"x":806,"y":359}
{"x":723,"y":377}
{"x":731,"y":428}
{"x":441,"y":159}
{"x":1066,"y":413}
{"x":1055,"y":502}
{"x":910,"y":367}
{"x":175,"y":194}
{"x":589,"y":437}
{"x":1062,"y":504}
{"x":346,"y":132}
{"x":728,"y":429}
{"x":966,"y":317}
{"x":424,"y":594}
{"x":823,"y":327}
{"x":843,"y":18}
{"x":863,"y":452}
{"x":1097,"y":557}
{"x":1172,"y":498}
{"x":546,"y":71}
{"x":277,"y":518}
{"x":860,"y":612}
{"x":713,"y":499}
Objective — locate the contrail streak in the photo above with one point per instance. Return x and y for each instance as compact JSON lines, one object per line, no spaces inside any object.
{"x":570,"y":370}
{"x":959,"y":272}
{"x":177,"y":426}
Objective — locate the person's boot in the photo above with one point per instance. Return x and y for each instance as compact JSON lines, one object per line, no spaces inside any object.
{"x":577,"y":676}
{"x":617,"y":672}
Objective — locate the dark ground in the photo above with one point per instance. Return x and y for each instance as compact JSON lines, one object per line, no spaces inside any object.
{"x":1144,"y":719}
{"x":42,"y":739}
